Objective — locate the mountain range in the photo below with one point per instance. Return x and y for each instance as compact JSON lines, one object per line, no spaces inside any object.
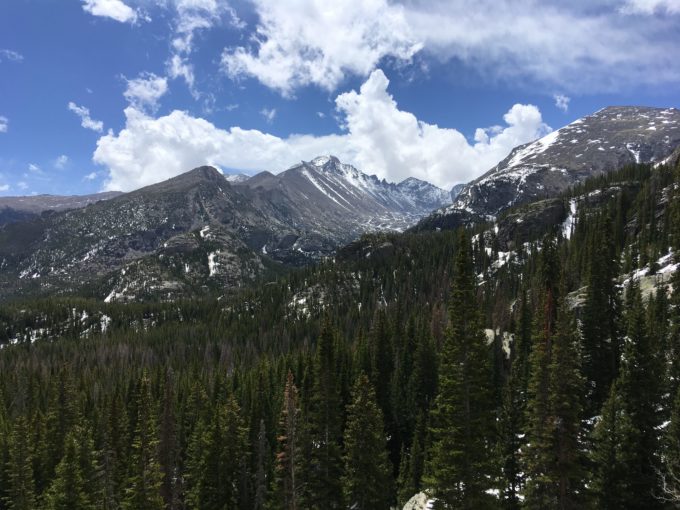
{"x":200,"y":232}
{"x":604,"y":141}
{"x":205,"y":233}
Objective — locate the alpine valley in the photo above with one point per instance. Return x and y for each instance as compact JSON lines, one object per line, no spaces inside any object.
{"x":323,"y":339}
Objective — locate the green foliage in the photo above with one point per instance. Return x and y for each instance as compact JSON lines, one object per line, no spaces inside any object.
{"x":367,"y":481}
{"x":461,"y":464}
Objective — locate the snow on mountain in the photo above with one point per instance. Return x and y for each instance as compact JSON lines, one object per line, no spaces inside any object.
{"x":598,"y":143}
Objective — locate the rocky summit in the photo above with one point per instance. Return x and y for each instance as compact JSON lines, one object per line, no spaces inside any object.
{"x":602,"y":142}
{"x":202,"y":232}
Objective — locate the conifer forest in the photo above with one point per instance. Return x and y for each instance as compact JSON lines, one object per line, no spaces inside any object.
{"x":542,"y":377}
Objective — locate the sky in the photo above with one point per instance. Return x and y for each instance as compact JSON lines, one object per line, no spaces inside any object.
{"x":118,"y":94}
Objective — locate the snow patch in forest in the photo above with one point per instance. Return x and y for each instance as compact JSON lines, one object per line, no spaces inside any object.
{"x":568,"y":224}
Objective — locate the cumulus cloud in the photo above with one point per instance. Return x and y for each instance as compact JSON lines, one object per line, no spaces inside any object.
{"x":4,"y":124}
{"x":395,"y":144}
{"x":268,"y":114}
{"x":61,"y":162}
{"x":567,"y":44}
{"x":10,"y":56}
{"x":301,"y":42}
{"x":22,"y":185}
{"x":85,"y":120}
{"x":179,"y":67}
{"x":4,"y":187}
{"x":114,"y":9}
{"x":562,"y":102}
{"x":651,"y":7}
{"x":379,"y":138}
{"x":90,"y":177}
{"x":146,"y":90}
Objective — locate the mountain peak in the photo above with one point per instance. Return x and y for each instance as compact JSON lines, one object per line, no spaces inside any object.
{"x":321,"y":161}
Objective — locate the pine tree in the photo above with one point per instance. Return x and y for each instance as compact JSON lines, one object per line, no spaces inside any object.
{"x":461,"y":467}
{"x":218,"y":482}
{"x":368,"y":473}
{"x":413,"y":463}
{"x":670,"y":476}
{"x":323,"y":468}
{"x":21,"y":486}
{"x":633,"y":418}
{"x":610,"y":453}
{"x":262,"y":468}
{"x":168,"y":456}
{"x":70,"y":489}
{"x":600,"y":316}
{"x":285,"y":494}
{"x":145,"y":479}
{"x":554,"y":457}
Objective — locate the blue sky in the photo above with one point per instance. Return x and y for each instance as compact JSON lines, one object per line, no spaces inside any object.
{"x":117,"y":94}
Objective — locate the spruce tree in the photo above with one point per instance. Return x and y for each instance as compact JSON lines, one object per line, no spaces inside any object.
{"x":144,"y":482}
{"x":634,"y":416}
{"x":323,"y":468}
{"x":367,"y":481}
{"x":20,"y":492}
{"x":285,"y":493}
{"x":461,"y":467}
{"x":70,"y":489}
{"x":670,"y":476}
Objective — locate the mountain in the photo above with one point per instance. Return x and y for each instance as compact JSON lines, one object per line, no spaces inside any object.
{"x":22,"y":208}
{"x":325,"y":192}
{"x":593,"y":145}
{"x":200,"y":234}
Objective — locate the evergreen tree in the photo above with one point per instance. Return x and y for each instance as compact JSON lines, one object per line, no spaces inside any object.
{"x":554,"y":457}
{"x":413,"y":463}
{"x":285,"y":494}
{"x":610,"y":453}
{"x":70,"y":489}
{"x":323,"y":467}
{"x":461,"y":467}
{"x":262,"y":468}
{"x":634,"y":417}
{"x":368,"y":473}
{"x":670,"y":476}
{"x":20,"y":493}
{"x":601,"y":315}
{"x":145,"y":479}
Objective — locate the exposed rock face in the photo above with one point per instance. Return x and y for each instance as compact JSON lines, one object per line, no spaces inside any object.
{"x":605,"y":141}
{"x":23,"y":208}
{"x":199,"y":233}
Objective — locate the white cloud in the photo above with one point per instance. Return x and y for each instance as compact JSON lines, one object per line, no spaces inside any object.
{"x":321,"y":115}
{"x":85,"y":120}
{"x":4,"y":124}
{"x":650,"y":7}
{"x":379,"y":139}
{"x":32,"y":167}
{"x":562,"y":102}
{"x":146,"y":90}
{"x":114,"y":9}
{"x":268,"y":114}
{"x":395,"y":144}
{"x":567,"y":44}
{"x":90,"y":177}
{"x":10,"y":56}
{"x":61,"y":162}
{"x":301,"y":42}
{"x":22,"y":185}
{"x":179,"y":67}
{"x":4,"y":187}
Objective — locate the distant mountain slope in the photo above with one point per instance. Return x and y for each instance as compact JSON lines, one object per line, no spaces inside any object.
{"x":22,"y":208}
{"x":198,"y":233}
{"x":327,"y":193}
{"x":604,"y":141}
